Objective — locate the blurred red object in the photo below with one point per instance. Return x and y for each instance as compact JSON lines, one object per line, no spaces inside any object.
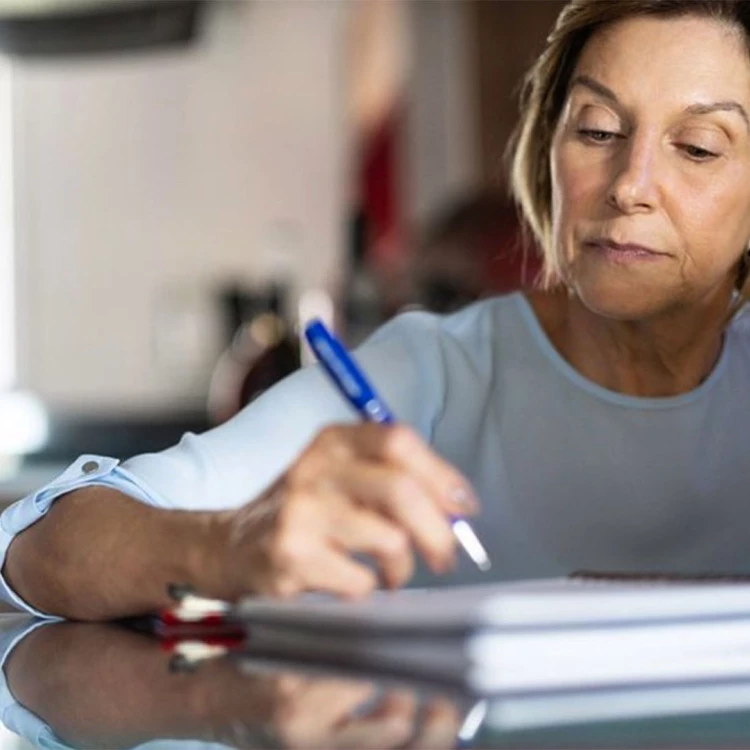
{"x":473,"y":249}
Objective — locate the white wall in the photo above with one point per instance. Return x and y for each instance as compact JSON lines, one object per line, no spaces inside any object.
{"x":140,"y":181}
{"x":7,"y":255}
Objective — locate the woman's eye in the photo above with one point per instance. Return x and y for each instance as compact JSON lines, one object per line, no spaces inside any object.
{"x":597,"y":136}
{"x":697,"y":153}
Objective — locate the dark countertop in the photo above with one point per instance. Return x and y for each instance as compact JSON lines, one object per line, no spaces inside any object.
{"x":103,"y":685}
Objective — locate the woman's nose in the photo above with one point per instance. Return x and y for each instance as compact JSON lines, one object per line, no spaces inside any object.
{"x":633,"y":186}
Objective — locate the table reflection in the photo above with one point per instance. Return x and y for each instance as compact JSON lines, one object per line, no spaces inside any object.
{"x":95,"y":685}
{"x":73,"y":685}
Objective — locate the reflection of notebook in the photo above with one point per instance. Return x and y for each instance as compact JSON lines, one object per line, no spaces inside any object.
{"x":520,"y":637}
{"x":714,"y":715}
{"x":529,"y":660}
{"x":520,"y":712}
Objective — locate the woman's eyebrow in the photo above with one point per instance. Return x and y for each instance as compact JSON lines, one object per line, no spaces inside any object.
{"x":596,"y":87}
{"x":727,"y":106}
{"x":694,"y":109}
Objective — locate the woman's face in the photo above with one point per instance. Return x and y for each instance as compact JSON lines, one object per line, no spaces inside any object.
{"x":650,"y":166}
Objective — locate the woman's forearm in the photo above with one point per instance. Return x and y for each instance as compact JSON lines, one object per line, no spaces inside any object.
{"x":99,"y":554}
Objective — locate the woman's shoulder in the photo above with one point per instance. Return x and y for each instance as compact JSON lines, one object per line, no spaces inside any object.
{"x":735,"y":356}
{"x":471,"y":324}
{"x":473,"y":335}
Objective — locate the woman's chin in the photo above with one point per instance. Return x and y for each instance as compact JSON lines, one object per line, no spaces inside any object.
{"x":620,"y":300}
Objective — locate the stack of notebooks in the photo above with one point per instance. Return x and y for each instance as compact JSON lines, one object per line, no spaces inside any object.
{"x":521,"y":638}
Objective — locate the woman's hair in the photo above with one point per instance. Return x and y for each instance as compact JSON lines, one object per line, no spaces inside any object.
{"x":545,"y":88}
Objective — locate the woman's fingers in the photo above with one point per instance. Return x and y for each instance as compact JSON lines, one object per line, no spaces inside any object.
{"x":406,"y":481}
{"x":367,"y":488}
{"x":306,"y":718}
{"x":336,"y":573}
{"x":389,"y":724}
{"x":400,"y":446}
{"x":314,"y":536}
{"x":303,"y":558}
{"x":361,"y":530}
{"x":439,"y":726}
{"x":404,"y":448}
{"x":407,"y":503}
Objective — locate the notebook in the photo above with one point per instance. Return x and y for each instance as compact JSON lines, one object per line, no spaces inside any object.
{"x":557,"y":602}
{"x":521,"y":637}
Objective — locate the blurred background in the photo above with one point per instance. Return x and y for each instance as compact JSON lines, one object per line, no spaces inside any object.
{"x":183,"y":182}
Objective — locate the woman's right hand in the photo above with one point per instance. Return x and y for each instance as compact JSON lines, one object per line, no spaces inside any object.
{"x":377,"y":490}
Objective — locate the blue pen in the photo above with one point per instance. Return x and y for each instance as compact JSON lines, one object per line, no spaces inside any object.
{"x":355,"y":388}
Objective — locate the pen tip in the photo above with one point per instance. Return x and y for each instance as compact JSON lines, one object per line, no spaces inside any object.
{"x":471,"y":544}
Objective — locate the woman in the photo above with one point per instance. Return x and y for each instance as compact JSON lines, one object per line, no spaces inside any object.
{"x":600,"y":420}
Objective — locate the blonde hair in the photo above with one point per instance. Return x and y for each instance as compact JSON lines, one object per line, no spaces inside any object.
{"x":545,"y":88}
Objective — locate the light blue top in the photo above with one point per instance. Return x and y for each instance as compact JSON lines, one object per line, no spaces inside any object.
{"x":571,"y":475}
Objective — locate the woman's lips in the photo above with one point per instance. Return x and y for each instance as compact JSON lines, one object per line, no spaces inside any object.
{"x":624,"y":252}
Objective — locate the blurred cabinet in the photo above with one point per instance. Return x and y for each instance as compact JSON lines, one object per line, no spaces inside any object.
{"x":507,"y":37}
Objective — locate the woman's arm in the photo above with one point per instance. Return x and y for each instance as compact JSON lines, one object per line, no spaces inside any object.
{"x":99,"y":554}
{"x":372,"y":489}
{"x":208,"y":512}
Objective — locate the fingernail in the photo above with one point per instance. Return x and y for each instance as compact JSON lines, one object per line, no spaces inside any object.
{"x":465,"y":499}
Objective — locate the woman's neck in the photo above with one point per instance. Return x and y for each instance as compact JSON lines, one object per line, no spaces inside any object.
{"x":657,"y":358}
